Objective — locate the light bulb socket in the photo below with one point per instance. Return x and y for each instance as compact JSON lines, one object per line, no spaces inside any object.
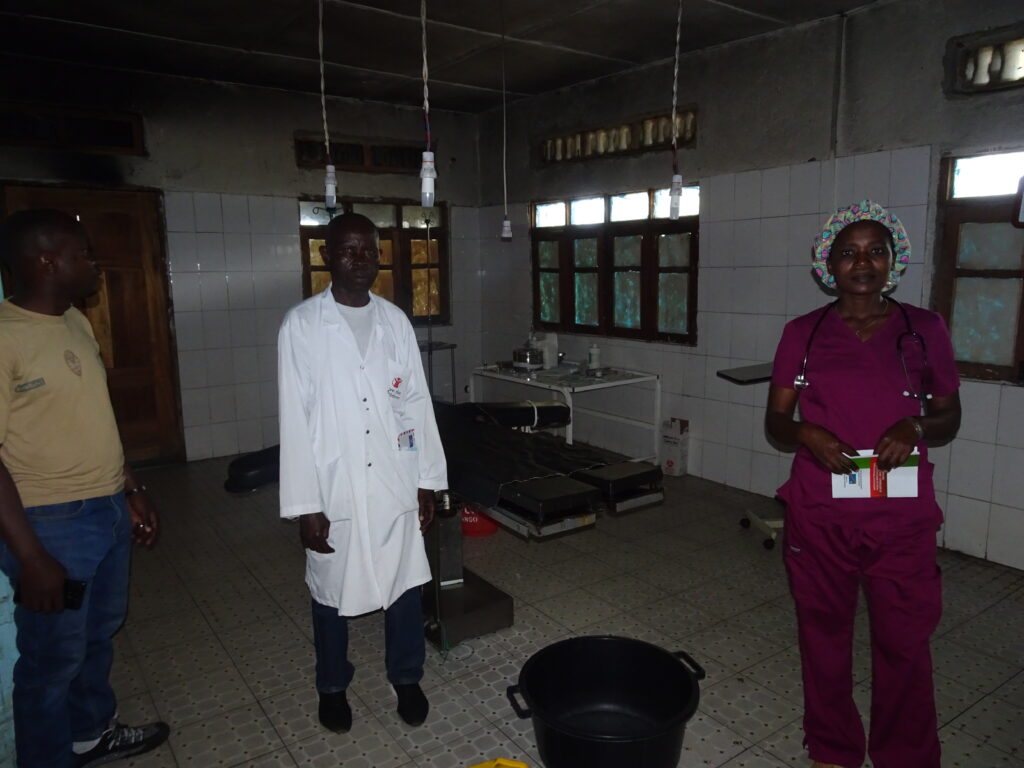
{"x":330,"y":190}
{"x":506,"y":229}
{"x":427,"y":175}
{"x":675,"y":193}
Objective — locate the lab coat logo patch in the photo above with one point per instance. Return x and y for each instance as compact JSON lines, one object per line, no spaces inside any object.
{"x":73,"y":362}
{"x":394,"y":390}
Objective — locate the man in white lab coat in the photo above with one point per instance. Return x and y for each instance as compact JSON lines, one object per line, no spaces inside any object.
{"x":361,"y":459}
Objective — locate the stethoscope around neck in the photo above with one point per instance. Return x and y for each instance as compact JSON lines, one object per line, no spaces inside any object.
{"x":801,"y":381}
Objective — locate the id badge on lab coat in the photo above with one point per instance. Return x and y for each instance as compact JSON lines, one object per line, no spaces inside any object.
{"x":407,"y":440}
{"x":869,"y":482}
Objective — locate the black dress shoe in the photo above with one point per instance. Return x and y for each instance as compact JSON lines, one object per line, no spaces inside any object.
{"x":412,"y":704}
{"x":335,"y":713}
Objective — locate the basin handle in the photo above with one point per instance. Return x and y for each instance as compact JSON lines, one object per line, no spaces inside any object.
{"x":688,"y":661}
{"x":523,"y":712}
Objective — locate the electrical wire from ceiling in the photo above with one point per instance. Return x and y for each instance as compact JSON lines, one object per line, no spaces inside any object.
{"x":330,"y":179}
{"x":428,"y":172}
{"x":676,"y":190}
{"x":506,"y":223}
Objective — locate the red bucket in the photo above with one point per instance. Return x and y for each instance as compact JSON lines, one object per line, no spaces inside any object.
{"x":475,"y":523}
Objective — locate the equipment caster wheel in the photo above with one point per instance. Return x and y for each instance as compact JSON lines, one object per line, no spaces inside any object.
{"x":769,"y":543}
{"x":744,"y":522}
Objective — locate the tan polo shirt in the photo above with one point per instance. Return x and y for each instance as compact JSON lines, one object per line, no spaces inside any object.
{"x":59,"y":438}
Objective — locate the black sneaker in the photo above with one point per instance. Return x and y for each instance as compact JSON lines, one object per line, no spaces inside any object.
{"x":124,"y":741}
{"x":412,"y":704}
{"x":335,"y":713}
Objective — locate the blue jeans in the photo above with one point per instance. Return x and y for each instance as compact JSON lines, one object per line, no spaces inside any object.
{"x":62,"y":690}
{"x":404,"y":645}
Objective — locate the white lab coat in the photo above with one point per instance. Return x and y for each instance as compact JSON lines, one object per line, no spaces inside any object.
{"x":342,"y":419}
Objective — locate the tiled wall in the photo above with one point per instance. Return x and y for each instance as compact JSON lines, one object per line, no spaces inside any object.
{"x":235,"y":269}
{"x":756,"y":233}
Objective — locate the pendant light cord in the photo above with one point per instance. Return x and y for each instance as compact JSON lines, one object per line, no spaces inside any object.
{"x":504,"y":117}
{"x":323,"y":87}
{"x":426,"y":73}
{"x":675,"y":92}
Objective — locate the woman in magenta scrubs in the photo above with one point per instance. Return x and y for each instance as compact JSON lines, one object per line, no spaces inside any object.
{"x":868,"y":373}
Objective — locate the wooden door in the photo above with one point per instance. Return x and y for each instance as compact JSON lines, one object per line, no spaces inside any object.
{"x":129,"y":314}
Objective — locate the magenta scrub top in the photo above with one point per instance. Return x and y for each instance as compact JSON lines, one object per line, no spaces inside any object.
{"x":856,"y":392}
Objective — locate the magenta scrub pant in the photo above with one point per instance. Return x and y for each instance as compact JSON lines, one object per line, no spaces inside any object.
{"x":896,"y":566}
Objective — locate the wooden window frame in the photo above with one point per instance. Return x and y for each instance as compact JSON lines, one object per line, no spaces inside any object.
{"x":650,"y":229}
{"x":400,"y":238}
{"x":953,"y":214}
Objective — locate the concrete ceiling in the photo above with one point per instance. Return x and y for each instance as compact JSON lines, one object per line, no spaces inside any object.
{"x":372,"y":47}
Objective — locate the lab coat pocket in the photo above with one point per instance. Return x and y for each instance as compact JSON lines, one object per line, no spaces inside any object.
{"x":336,"y":490}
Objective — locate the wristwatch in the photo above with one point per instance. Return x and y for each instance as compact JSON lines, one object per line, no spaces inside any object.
{"x":132,"y":491}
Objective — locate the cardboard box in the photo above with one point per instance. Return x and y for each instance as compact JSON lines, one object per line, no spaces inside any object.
{"x":675,"y":441}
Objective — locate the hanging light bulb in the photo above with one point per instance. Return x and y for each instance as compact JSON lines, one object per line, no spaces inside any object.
{"x":674,"y":194}
{"x":506,"y":229}
{"x":427,"y":175}
{"x":331,"y":191}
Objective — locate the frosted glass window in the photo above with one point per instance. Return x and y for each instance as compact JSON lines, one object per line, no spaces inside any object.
{"x":985,"y":319}
{"x":689,"y":202}
{"x":315,"y":259}
{"x":384,"y":285}
{"x":319,"y":280}
{"x":587,"y":211}
{"x":549,"y":310}
{"x":586,"y":298}
{"x":990,"y":246}
{"x":634,"y":205}
{"x":674,"y":250}
{"x":549,"y":215}
{"x":424,"y":285}
{"x":673,"y":295}
{"x":419,"y":251}
{"x":313,"y":214}
{"x":627,"y":251}
{"x":380,"y":215}
{"x":627,"y":299}
{"x":988,"y":175}
{"x":547,"y":254}
{"x":585,"y":252}
{"x":416,"y":217}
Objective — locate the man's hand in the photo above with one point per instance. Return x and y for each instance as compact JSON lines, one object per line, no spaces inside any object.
{"x":427,"y":503}
{"x":145,"y":520}
{"x":313,"y":531}
{"x":41,"y":585}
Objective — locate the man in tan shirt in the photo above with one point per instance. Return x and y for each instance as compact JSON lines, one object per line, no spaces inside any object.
{"x":69,"y":505}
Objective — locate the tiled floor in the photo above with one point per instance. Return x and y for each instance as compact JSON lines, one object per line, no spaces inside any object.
{"x":218,"y":639}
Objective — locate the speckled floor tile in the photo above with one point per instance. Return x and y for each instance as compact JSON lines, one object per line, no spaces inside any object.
{"x":626,"y":591}
{"x":450,"y":718}
{"x":295,"y":717}
{"x":227,"y":739}
{"x":749,"y":709}
{"x":576,"y":609}
{"x":191,"y":700}
{"x":708,"y":742}
{"x":487,"y":743}
{"x":367,"y":745}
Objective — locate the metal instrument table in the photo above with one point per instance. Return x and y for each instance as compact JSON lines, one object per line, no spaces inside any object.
{"x":569,"y":384}
{"x":430,"y":347}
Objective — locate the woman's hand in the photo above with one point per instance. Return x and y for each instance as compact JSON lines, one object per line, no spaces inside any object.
{"x":831,"y":452}
{"x":896,"y":444}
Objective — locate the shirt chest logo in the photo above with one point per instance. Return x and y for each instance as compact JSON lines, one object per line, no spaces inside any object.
{"x":73,"y":362}
{"x":30,"y":385}
{"x":395,"y":390}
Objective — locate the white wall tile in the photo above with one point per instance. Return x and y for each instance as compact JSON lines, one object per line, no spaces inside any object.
{"x":716,"y":421}
{"x":910,"y":176}
{"x":264,"y":252}
{"x":1008,"y":477}
{"x":222,"y":403}
{"x":915,"y":221}
{"x":268,"y":362}
{"x":802,"y":291}
{"x":224,"y":439}
{"x":268,"y":323}
{"x":240,"y":293}
{"x":250,"y":436}
{"x":695,"y":457}
{"x":804,"y":186}
{"x":744,"y":336}
{"x":261,"y":215}
{"x":694,"y":370}
{"x":1011,"y":416}
{"x":270,"y":431}
{"x":802,"y":230}
{"x":748,"y":195}
{"x":871,"y":178}
{"x":236,"y":213}
{"x":714,"y":289}
{"x":716,"y":244}
{"x":243,"y":327}
{"x":188,"y":330}
{"x":774,"y":241}
{"x":214,"y":290}
{"x":771,"y":294}
{"x":195,"y":407}
{"x":739,"y":419}
{"x":763,"y":473}
{"x":237,"y":252}
{"x":827,"y":187}
{"x":247,"y":401}
{"x":181,"y":252}
{"x":747,"y":242}
{"x":264,"y":289}
{"x":966,"y":527}
{"x":185,"y":292}
{"x":717,"y":332}
{"x":979,"y":402}
{"x":289,"y":254}
{"x":246,"y":364}
{"x":197,"y":443}
{"x":216,"y":329}
{"x":939,"y":456}
{"x":208,"y":212}
{"x":775,"y":192}
{"x":737,"y":468}
{"x":268,"y":398}
{"x":219,"y":371}
{"x":769,"y":331}
{"x":713,"y":462}
{"x":910,"y":289}
{"x":178,"y":210}
{"x":717,"y":198}
{"x":746,"y":293}
{"x":970,"y":472}
{"x":210,"y":251}
{"x":286,"y":215}
{"x":1006,"y":535}
{"x":844,"y":189}
{"x":192,"y":368}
